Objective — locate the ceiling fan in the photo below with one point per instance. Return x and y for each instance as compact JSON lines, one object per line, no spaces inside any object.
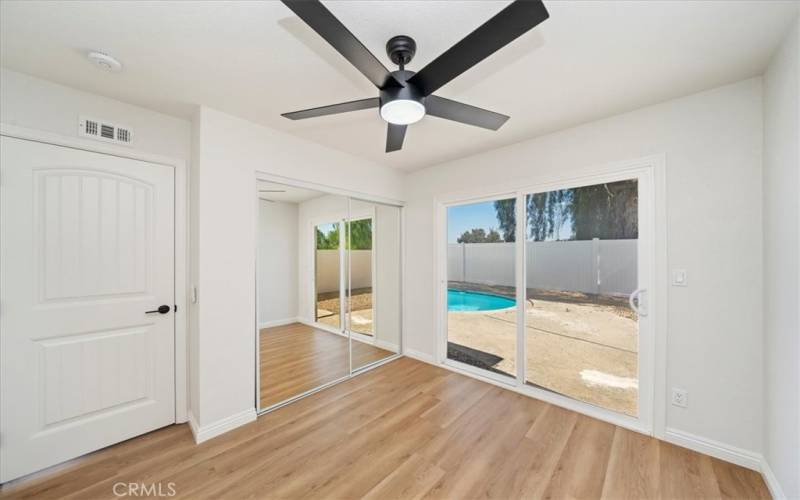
{"x":404,"y":96}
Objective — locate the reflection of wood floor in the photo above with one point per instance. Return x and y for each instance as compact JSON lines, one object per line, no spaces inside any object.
{"x":296,"y":358}
{"x":405,"y":430}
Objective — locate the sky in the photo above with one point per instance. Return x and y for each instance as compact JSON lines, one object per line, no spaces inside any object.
{"x":462,"y":218}
{"x":465,"y":217}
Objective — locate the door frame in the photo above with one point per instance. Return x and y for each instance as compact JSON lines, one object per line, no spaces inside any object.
{"x":181,"y":228}
{"x":652,"y":352}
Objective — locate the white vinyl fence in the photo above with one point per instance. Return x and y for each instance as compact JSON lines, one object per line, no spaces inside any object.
{"x":327,"y":271}
{"x":592,"y":266}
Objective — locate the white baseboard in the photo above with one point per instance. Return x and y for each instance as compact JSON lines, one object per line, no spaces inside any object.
{"x":419,"y":355}
{"x":278,"y":322}
{"x":723,"y":451}
{"x":772,"y":482}
{"x":305,"y":321}
{"x":321,"y":326}
{"x":386,"y":345}
{"x":220,"y":426}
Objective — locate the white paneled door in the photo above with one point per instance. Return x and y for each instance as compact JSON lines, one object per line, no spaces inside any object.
{"x":86,"y":250}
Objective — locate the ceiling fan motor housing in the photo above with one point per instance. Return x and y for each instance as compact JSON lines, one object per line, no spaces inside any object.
{"x":401,"y":49}
{"x":407,"y":91}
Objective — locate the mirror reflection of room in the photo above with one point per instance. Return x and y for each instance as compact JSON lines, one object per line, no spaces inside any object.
{"x":373,"y":320}
{"x":328,"y":284}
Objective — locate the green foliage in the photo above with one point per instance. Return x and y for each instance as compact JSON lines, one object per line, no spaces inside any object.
{"x":358,"y":235}
{"x":605,"y":211}
{"x":328,"y":240}
{"x":507,"y":218}
{"x":478,"y":235}
{"x":548,"y":212}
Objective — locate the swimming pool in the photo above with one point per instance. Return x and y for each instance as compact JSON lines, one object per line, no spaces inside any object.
{"x":460,"y":301}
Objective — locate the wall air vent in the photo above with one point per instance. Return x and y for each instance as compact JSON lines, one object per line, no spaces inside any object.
{"x":102,"y":130}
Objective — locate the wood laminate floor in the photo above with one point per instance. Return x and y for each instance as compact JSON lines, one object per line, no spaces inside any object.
{"x":296,"y":358}
{"x":405,"y":430}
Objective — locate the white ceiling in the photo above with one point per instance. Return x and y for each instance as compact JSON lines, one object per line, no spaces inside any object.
{"x":256,"y":60}
{"x":285,"y":193}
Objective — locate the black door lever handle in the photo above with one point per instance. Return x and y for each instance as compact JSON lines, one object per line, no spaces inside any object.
{"x":161,"y":310}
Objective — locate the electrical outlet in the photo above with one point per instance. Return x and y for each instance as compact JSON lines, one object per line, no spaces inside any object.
{"x":680,"y":397}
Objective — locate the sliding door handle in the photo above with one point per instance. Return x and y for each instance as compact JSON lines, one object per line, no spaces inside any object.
{"x":635,"y":301}
{"x":161,"y":310}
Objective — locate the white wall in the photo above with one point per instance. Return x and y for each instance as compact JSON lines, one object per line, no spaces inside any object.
{"x":277,"y":261}
{"x":712,"y":142}
{"x":781,"y":268}
{"x":39,"y":104}
{"x":230,"y":151}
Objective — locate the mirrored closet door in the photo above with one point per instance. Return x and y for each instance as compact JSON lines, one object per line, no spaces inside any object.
{"x":328,"y":281}
{"x":373,"y":318}
{"x":302,"y":342}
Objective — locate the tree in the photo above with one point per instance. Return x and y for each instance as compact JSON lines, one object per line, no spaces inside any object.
{"x":360,"y":234}
{"x":605,"y":211}
{"x":548,"y":212}
{"x":478,"y":235}
{"x":329,"y":240}
{"x":507,"y":218}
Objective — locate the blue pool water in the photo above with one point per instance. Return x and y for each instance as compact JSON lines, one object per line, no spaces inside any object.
{"x":474,"y":301}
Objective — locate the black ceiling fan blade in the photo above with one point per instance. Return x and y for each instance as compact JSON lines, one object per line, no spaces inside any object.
{"x":394,"y":137}
{"x":509,"y":24}
{"x":321,"y":20}
{"x":463,"y":113}
{"x":333,"y":109}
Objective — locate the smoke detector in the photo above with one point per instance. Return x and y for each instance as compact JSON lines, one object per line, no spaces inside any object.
{"x":105,"y":62}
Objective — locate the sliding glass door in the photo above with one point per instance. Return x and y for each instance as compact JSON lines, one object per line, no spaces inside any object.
{"x":481,"y":286}
{"x":546,"y":290}
{"x":328,"y":273}
{"x":359,"y":238}
{"x":581,"y":333}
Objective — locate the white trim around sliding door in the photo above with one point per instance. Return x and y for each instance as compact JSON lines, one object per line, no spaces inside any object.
{"x":652,"y":263}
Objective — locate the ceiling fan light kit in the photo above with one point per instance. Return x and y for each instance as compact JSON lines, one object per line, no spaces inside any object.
{"x":402,"y":111}
{"x":402,"y":105}
{"x":405,"y":97}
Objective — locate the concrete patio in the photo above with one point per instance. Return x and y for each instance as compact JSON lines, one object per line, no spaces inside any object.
{"x":576,"y":344}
